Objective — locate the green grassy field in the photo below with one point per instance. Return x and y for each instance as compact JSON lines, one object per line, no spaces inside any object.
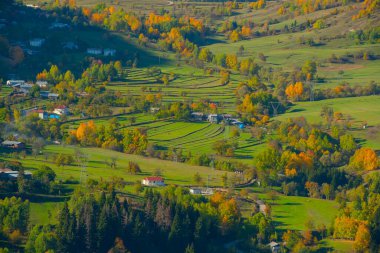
{"x":97,"y":168}
{"x":360,"y":109}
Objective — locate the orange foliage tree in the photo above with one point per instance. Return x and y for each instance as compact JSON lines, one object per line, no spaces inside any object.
{"x":294,"y":91}
{"x":364,"y":158}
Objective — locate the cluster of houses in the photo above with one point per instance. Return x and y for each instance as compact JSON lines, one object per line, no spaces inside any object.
{"x":216,"y":118}
{"x":99,"y":51}
{"x":8,"y":174}
{"x":22,"y":88}
{"x":57,"y":113}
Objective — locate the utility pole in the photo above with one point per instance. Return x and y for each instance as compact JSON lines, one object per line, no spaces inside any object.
{"x":275,"y":106}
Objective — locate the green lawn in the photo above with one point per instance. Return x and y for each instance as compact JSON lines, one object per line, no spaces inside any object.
{"x":292,"y":212}
{"x":97,"y":168}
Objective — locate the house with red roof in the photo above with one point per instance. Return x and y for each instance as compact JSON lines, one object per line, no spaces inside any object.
{"x":153,"y":181}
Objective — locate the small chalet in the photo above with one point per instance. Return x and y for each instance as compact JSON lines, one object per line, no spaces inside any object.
{"x":61,"y":110}
{"x":37,"y":42}
{"x":109,"y":52}
{"x":274,"y":246}
{"x":13,"y":144}
{"x":153,"y":181}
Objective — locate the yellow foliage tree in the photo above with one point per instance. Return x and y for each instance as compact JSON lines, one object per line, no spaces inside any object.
{"x":364,"y":158}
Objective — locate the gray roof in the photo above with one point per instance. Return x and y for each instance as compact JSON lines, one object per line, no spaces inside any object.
{"x":11,"y":142}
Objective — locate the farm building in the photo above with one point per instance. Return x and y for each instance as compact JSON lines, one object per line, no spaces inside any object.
{"x":153,"y":181}
{"x":9,"y":174}
{"x":13,"y":83}
{"x":197,"y":116}
{"x":201,"y":191}
{"x":25,"y":88}
{"x":13,"y":144}
{"x":61,"y":110}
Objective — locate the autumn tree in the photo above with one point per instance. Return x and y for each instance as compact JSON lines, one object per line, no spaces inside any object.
{"x":364,"y":159}
{"x":294,"y":91}
{"x":362,"y":239}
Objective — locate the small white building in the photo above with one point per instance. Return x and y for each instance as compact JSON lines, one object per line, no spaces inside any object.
{"x":37,"y":42}
{"x":94,"y":51}
{"x":195,"y":191}
{"x":12,"y":83}
{"x":109,"y":52}
{"x":153,"y":181}
{"x":61,"y":110}
{"x":213,"y":118}
{"x":42,"y":84}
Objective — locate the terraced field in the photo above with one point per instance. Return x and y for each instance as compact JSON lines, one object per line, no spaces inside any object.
{"x":185,"y":86}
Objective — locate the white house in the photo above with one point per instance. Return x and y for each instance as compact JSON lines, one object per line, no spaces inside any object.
{"x":94,"y":51}
{"x":61,"y":110}
{"x":153,"y":181}
{"x":41,"y":114}
{"x":37,"y":42}
{"x":109,"y":52}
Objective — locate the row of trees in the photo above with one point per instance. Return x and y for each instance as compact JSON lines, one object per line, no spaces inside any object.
{"x":359,"y":215}
{"x":171,"y":221}
{"x":110,"y":137}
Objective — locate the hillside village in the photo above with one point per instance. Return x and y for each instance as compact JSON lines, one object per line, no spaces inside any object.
{"x":221,"y":126}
